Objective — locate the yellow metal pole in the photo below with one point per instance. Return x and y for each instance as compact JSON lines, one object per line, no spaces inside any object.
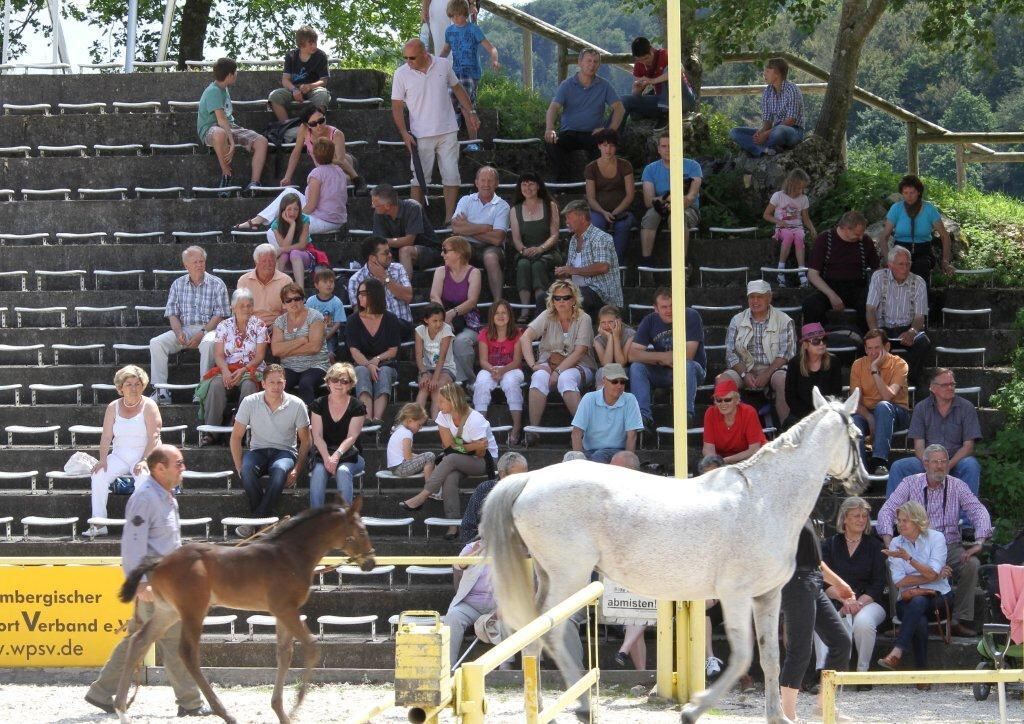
{"x":471,"y":705}
{"x":683,"y":692}
{"x":531,"y":686}
{"x":694,"y":612}
{"x":695,"y":647}
{"x":663,"y":677}
{"x":828,"y":697}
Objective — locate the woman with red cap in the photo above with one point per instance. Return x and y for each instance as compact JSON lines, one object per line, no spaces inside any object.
{"x":812,"y":367}
{"x":731,"y":428}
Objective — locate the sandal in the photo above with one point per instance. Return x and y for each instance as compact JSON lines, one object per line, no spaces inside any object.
{"x":513,"y":438}
{"x":246,"y":226}
{"x":530,"y":439}
{"x":207,"y":439}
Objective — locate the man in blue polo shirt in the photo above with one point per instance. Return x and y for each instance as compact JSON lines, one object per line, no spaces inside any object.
{"x":582,"y":100}
{"x":655,"y":180}
{"x":608,"y":419}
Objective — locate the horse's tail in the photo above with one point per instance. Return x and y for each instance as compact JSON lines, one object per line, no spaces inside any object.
{"x":131,"y":581}
{"x":513,"y":582}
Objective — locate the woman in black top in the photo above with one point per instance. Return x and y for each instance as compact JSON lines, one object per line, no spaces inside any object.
{"x":373,"y":336}
{"x":812,"y":367}
{"x":806,"y":610}
{"x":856,"y":556}
{"x":337,"y":421}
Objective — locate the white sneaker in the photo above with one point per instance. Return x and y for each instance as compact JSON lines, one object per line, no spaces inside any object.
{"x":781,"y":279}
{"x":94,"y":531}
{"x":768,"y":152}
{"x":712,"y":668}
{"x":161,"y":397}
{"x":803,"y":280}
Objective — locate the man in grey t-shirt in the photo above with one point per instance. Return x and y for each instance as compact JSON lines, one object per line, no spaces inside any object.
{"x":277,"y":420}
{"x":404,"y":223}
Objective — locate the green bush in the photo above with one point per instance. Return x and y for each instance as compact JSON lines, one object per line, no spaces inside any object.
{"x":520,"y":111}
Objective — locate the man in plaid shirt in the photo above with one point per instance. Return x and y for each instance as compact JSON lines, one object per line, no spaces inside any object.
{"x":782,"y":115}
{"x":943,"y":497}
{"x":196,"y":304}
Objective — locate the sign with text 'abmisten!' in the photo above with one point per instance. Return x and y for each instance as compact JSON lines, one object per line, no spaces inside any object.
{"x":60,"y":615}
{"x":617,"y":603}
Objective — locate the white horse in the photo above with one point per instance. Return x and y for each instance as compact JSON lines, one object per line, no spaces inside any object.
{"x":730,"y":534}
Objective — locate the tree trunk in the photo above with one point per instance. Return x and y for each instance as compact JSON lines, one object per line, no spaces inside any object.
{"x":195,"y":17}
{"x":691,"y":49}
{"x":856,"y":22}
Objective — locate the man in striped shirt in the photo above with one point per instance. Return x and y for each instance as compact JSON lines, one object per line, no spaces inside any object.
{"x":782,"y":114}
{"x":897,"y":304}
{"x":943,"y":497}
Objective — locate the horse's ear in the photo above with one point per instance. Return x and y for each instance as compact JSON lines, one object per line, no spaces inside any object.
{"x":819,"y":399}
{"x":357,"y":505}
{"x":850,"y":406}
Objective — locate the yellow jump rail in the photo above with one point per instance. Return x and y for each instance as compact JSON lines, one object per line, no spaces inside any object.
{"x":831,"y":679}
{"x":470,"y":698}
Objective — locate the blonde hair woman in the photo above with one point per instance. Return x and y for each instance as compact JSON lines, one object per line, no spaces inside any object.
{"x":469,"y":449}
{"x":131,"y":429}
{"x":337,"y":421}
{"x":917,"y":562}
{"x":565,"y":357}
{"x":856,"y":556}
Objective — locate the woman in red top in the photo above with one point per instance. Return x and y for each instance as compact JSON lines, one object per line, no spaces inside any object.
{"x":731,"y":428}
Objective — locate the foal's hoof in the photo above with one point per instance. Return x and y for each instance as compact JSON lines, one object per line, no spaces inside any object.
{"x":690,"y":713}
{"x":584,"y":715}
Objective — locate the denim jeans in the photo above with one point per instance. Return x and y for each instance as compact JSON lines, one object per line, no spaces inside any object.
{"x":619,"y":230}
{"x":888,"y":416}
{"x":643,"y":378}
{"x":343,"y":477}
{"x":913,"y":632}
{"x":275,"y":464}
{"x":780,"y":137}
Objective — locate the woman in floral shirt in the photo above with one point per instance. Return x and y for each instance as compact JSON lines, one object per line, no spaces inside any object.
{"x":240,"y":347}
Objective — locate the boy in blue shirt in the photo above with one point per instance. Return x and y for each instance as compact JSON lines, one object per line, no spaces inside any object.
{"x":655,"y":181}
{"x":462,"y":40}
{"x":328,"y":305}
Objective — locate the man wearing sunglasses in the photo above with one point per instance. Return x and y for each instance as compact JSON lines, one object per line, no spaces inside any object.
{"x":608,"y":419}
{"x":422,"y":84}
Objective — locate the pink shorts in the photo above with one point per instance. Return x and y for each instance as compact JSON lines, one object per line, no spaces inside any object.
{"x":793,"y":235}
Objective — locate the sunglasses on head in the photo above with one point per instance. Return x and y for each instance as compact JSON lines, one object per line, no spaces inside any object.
{"x":561,"y":297}
{"x":722,"y":400}
{"x":313,"y":124}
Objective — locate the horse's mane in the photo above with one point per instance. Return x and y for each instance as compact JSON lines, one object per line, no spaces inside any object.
{"x":793,"y":437}
{"x":295,"y":521}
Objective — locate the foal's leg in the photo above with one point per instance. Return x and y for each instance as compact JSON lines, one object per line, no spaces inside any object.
{"x":737,"y":625}
{"x":162,"y":619}
{"x":191,"y":629}
{"x":766,"y":621}
{"x":563,"y":641}
{"x":307,"y":641}
{"x":284,"y":661}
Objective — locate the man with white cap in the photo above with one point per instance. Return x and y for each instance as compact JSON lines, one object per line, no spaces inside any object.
{"x":607,"y":420}
{"x":759,"y":342}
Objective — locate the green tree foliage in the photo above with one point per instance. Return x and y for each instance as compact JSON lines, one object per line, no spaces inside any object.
{"x":26,"y":16}
{"x":362,"y":32}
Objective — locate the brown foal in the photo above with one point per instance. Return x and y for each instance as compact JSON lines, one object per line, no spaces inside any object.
{"x":271,"y":573}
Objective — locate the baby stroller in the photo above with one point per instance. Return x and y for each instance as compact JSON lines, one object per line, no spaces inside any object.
{"x":995,"y":646}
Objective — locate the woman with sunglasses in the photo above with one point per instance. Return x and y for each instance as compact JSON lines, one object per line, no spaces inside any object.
{"x":812,"y":367}
{"x":373,"y":337}
{"x":564,"y":359}
{"x":337,"y":421}
{"x":298,"y":340}
{"x":313,"y":128}
{"x":732,"y":428}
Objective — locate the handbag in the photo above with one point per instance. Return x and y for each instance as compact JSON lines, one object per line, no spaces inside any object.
{"x":123,"y":485}
{"x":909,"y":593}
{"x":80,"y":463}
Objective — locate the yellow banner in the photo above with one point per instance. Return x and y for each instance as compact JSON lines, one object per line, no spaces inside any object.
{"x":60,"y":615}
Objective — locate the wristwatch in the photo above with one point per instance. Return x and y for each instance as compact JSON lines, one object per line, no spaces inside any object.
{"x":387,"y":280}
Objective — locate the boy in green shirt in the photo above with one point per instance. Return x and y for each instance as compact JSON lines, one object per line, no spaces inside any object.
{"x":217,"y":128}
